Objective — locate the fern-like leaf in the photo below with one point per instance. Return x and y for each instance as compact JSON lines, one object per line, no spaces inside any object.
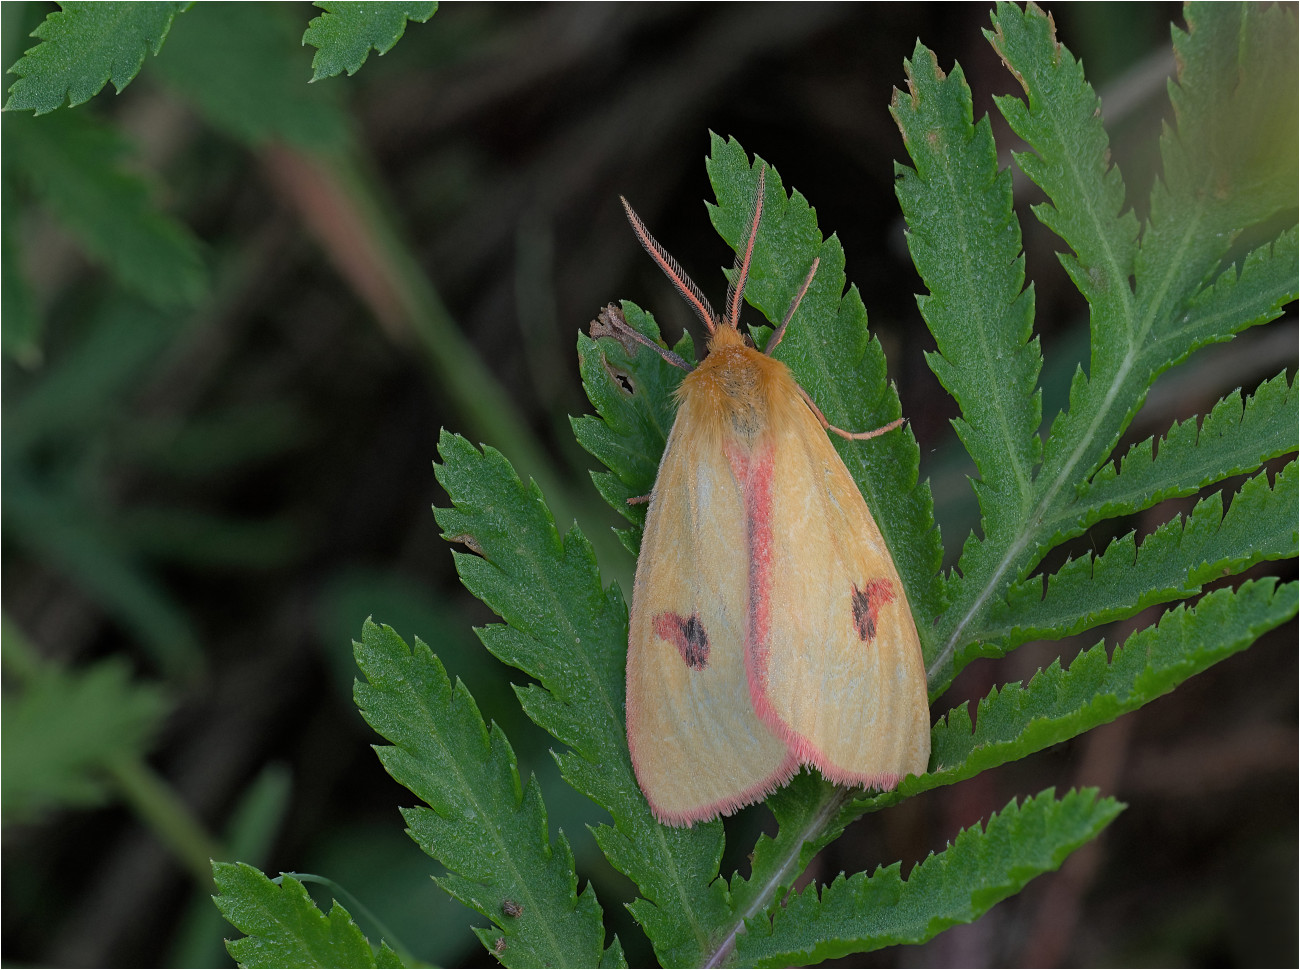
{"x":481,"y":823}
{"x":346,"y":33}
{"x":982,"y":866}
{"x":965,"y":242}
{"x":84,"y":46}
{"x":283,"y":926}
{"x":1231,"y":160}
{"x":1138,"y":330}
{"x":1231,"y":440}
{"x":1057,"y":704}
{"x":1172,"y":563}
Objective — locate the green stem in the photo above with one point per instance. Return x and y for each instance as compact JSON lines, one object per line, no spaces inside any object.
{"x":167,"y":815}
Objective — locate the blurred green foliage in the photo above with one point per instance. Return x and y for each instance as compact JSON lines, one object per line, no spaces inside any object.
{"x":50,"y":760}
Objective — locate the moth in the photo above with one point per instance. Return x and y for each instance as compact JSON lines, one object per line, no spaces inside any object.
{"x":768,"y":628}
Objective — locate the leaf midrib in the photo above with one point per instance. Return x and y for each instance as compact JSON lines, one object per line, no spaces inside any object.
{"x":1031,"y":524}
{"x":487,"y":812}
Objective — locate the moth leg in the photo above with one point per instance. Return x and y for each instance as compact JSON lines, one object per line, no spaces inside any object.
{"x":851,"y":435}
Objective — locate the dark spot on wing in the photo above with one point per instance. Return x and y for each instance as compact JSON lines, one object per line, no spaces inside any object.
{"x":867,"y":604}
{"x":687,"y":634}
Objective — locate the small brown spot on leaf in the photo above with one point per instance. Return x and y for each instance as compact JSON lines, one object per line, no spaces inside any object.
{"x":469,"y":542}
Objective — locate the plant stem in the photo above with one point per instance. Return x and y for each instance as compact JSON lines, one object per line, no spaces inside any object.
{"x":762,"y":900}
{"x":167,"y":815}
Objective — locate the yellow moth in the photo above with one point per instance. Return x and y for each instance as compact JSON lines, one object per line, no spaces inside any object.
{"x":768,"y":628}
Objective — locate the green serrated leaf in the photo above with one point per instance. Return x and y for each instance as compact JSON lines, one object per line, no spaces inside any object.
{"x":566,"y":631}
{"x":1015,"y":721}
{"x":51,"y":760}
{"x":1231,"y":440}
{"x":349,"y":30}
{"x":481,"y":822}
{"x":86,"y":45}
{"x":75,"y":166}
{"x":283,"y":926}
{"x":1173,"y":562}
{"x":242,"y":65}
{"x":1255,"y":295}
{"x":1070,"y":161}
{"x":810,"y":814}
{"x":982,"y":866}
{"x":1137,"y":330}
{"x":965,"y":242}
{"x":1231,"y":159}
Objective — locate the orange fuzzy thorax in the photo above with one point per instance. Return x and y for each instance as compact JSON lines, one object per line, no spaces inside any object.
{"x":737,"y":391}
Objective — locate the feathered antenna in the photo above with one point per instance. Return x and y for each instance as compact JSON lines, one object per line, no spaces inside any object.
{"x":741,"y":274}
{"x":676,"y":275}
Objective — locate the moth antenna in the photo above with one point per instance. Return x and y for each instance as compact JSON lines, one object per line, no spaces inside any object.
{"x":780,"y":331}
{"x":622,"y":326}
{"x":737,"y":288}
{"x":676,"y":275}
{"x":851,"y":435}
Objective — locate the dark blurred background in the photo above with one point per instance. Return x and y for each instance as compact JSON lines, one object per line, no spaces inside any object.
{"x":218,"y":487}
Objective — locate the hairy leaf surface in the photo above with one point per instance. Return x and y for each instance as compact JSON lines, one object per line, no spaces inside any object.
{"x":283,"y":926}
{"x":981,"y":867}
{"x":346,"y":33}
{"x":481,"y":822}
{"x":84,"y":46}
{"x":965,"y":242}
